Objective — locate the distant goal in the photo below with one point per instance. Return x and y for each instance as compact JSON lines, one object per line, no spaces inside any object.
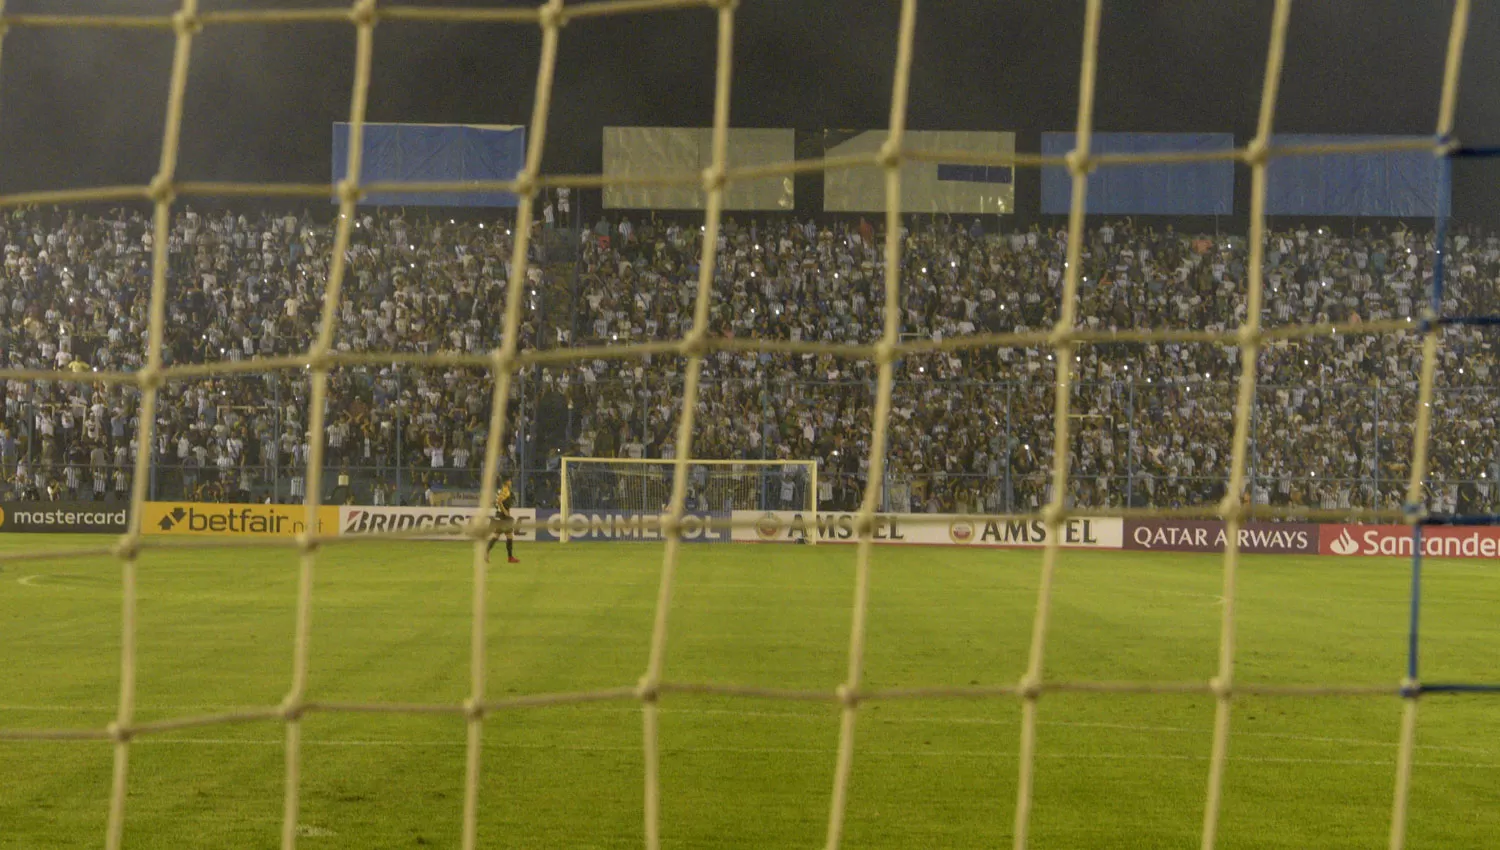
{"x":643,"y":486}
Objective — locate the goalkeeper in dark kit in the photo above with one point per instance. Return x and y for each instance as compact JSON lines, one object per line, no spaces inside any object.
{"x":502,"y":524}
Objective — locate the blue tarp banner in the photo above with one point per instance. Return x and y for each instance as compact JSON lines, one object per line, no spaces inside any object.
{"x":434,"y":153}
{"x":1194,"y":188}
{"x":1397,"y":183}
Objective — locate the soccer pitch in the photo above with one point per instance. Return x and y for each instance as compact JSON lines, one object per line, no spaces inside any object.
{"x":391,"y":623}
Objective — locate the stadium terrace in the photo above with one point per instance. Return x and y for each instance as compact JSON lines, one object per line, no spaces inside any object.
{"x":969,"y":431}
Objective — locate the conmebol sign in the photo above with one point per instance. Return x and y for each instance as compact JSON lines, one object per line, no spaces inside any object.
{"x":626,"y":525}
{"x":1189,"y":535}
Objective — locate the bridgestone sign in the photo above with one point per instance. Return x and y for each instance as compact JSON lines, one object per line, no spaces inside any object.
{"x":63,"y":517}
{"x":444,"y":523}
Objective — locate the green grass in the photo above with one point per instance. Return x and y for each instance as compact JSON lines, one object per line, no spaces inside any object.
{"x":391,"y":623}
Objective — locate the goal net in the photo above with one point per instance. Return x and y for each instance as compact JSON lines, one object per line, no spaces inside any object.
{"x":668,"y":487}
{"x":721,"y":487}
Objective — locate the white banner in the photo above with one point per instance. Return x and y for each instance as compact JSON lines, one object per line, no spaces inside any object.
{"x":933,"y":530}
{"x":926,"y":187}
{"x":363,"y":519}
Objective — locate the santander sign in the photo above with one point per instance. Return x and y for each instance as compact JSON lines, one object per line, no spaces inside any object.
{"x":1396,"y":540}
{"x":1344,"y":544}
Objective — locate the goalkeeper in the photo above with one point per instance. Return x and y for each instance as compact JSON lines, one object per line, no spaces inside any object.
{"x":503,"y":524}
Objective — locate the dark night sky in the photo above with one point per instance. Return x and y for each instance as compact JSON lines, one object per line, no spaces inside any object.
{"x":85,"y":107}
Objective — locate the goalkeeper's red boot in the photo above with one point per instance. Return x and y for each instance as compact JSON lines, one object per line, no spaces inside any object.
{"x":514,"y":560}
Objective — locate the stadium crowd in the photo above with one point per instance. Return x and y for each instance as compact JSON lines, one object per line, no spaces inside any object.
{"x":76,"y":290}
{"x":970,"y":429}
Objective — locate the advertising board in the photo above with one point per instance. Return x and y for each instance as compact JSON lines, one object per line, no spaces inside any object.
{"x":1449,"y":541}
{"x":626,"y":526}
{"x":445,"y":522}
{"x":930,"y":529}
{"x":200,"y":518}
{"x":1171,"y":535}
{"x":1190,"y":535}
{"x":62,"y":517}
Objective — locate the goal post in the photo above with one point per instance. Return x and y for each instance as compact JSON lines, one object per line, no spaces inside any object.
{"x":644,"y":486}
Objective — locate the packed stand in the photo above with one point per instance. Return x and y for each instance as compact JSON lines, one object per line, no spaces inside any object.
{"x":971,"y":430}
{"x":76,"y":290}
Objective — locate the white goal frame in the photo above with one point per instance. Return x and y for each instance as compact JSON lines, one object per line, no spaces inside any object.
{"x":565,"y":497}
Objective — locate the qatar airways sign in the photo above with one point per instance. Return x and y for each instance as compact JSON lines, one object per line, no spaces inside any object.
{"x":1190,"y":535}
{"x":1445,"y":541}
